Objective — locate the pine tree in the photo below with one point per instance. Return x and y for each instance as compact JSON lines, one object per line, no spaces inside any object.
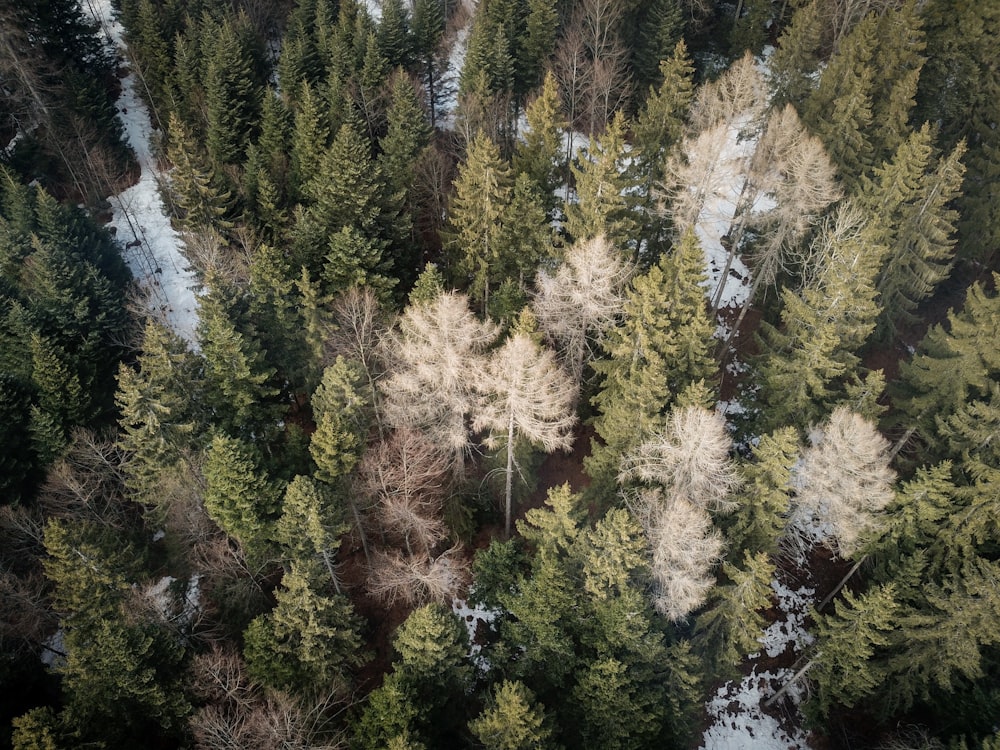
{"x":539,"y":153}
{"x":659,"y":27}
{"x":155,"y":404}
{"x":839,"y":110}
{"x":309,"y":139}
{"x":406,"y":138}
{"x":541,"y":25}
{"x":232,"y":93}
{"x":237,"y":384}
{"x":478,"y":210}
{"x":729,"y":628}
{"x":660,"y":348}
{"x":843,"y":669}
{"x":341,"y":421}
{"x":660,"y":124}
{"x":311,"y":525}
{"x":797,"y":57}
{"x":767,"y":484}
{"x":603,"y":206}
{"x":308,"y":642}
{"x":951,"y":366}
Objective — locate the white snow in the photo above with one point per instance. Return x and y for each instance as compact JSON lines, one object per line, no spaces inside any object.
{"x":738,"y":721}
{"x":54,"y":648}
{"x":152,"y":249}
{"x":374,"y":8}
{"x":449,"y":79}
{"x":471,"y":616}
{"x":794,"y":605}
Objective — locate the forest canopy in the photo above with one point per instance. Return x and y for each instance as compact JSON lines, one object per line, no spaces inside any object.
{"x":499,"y":374}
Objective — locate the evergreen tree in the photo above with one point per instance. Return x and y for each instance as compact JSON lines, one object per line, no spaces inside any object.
{"x":660,"y":348}
{"x":232,"y":93}
{"x":239,"y":497}
{"x":660,"y":124}
{"x":406,"y":138}
{"x":804,"y":363}
{"x":763,"y":504}
{"x":539,"y":155}
{"x":839,"y":110}
{"x":237,"y":381}
{"x":843,"y":669}
{"x":482,"y":194}
{"x":311,"y":525}
{"x":603,"y":206}
{"x":660,"y":26}
{"x":309,"y":139}
{"x":156,"y":409}
{"x":951,"y":366}
{"x":512,"y":720}
{"x":428,"y":28}
{"x":394,"y":37}
{"x":730,"y":627}
{"x":909,"y":200}
{"x":202,"y":204}
{"x":796,"y":59}
{"x":308,"y":642}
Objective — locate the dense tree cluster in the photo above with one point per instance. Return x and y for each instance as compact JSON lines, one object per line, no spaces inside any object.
{"x":416,"y":283}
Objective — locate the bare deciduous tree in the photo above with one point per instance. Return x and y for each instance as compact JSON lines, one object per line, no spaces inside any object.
{"x":438,"y":357}
{"x":738,"y":96}
{"x":528,"y":396}
{"x":581,"y":300}
{"x":418,"y":579}
{"x":406,"y":478}
{"x":361,"y":324}
{"x":689,"y":458}
{"x":683,"y":549}
{"x":841,"y":484}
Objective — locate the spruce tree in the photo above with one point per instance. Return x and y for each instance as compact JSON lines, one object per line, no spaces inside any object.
{"x":797,"y":57}
{"x":232,"y":93}
{"x":512,"y":720}
{"x":539,"y":153}
{"x":239,"y":496}
{"x":311,"y":525}
{"x":309,"y":641}
{"x":909,"y":200}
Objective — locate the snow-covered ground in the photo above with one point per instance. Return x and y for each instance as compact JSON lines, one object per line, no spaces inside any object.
{"x":151,"y":247}
{"x":737,"y":713}
{"x":471,"y":617}
{"x":739,"y":722}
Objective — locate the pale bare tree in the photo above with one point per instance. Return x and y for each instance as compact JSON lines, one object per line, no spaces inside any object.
{"x":573,"y":71}
{"x":791,"y":183}
{"x":683,"y":548}
{"x":361,"y":325}
{"x":419,"y":579}
{"x":737,"y":97}
{"x":689,"y":458}
{"x":842,"y":484}
{"x":438,"y":355}
{"x":406,"y":478}
{"x":580,"y":301}
{"x":528,"y":396}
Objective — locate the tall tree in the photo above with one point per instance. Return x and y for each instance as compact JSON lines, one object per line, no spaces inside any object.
{"x":308,"y":642}
{"x":512,"y":720}
{"x":528,"y":397}
{"x":581,"y":300}
{"x":438,"y":352}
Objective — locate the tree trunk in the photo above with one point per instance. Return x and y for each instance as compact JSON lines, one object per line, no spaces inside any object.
{"x":510,"y":474}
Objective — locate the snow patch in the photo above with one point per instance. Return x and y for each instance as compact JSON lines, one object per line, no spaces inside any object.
{"x":152,"y":248}
{"x":449,"y":79}
{"x":471,"y":616}
{"x":794,"y":604}
{"x":739,"y":722}
{"x":53,"y":650}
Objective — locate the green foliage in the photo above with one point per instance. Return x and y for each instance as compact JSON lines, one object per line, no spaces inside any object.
{"x":760,"y":512}
{"x":512,"y":720}
{"x":843,"y":668}
{"x":660,"y":349}
{"x":239,"y":497}
{"x":796,"y":59}
{"x":309,"y":641}
{"x":196,"y":193}
{"x":494,"y":570}
{"x":540,"y":154}
{"x":36,"y":730}
{"x":311,"y":524}
{"x":341,"y":421}
{"x":602,"y":188}
{"x":730,"y":627}
{"x":232,"y":92}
